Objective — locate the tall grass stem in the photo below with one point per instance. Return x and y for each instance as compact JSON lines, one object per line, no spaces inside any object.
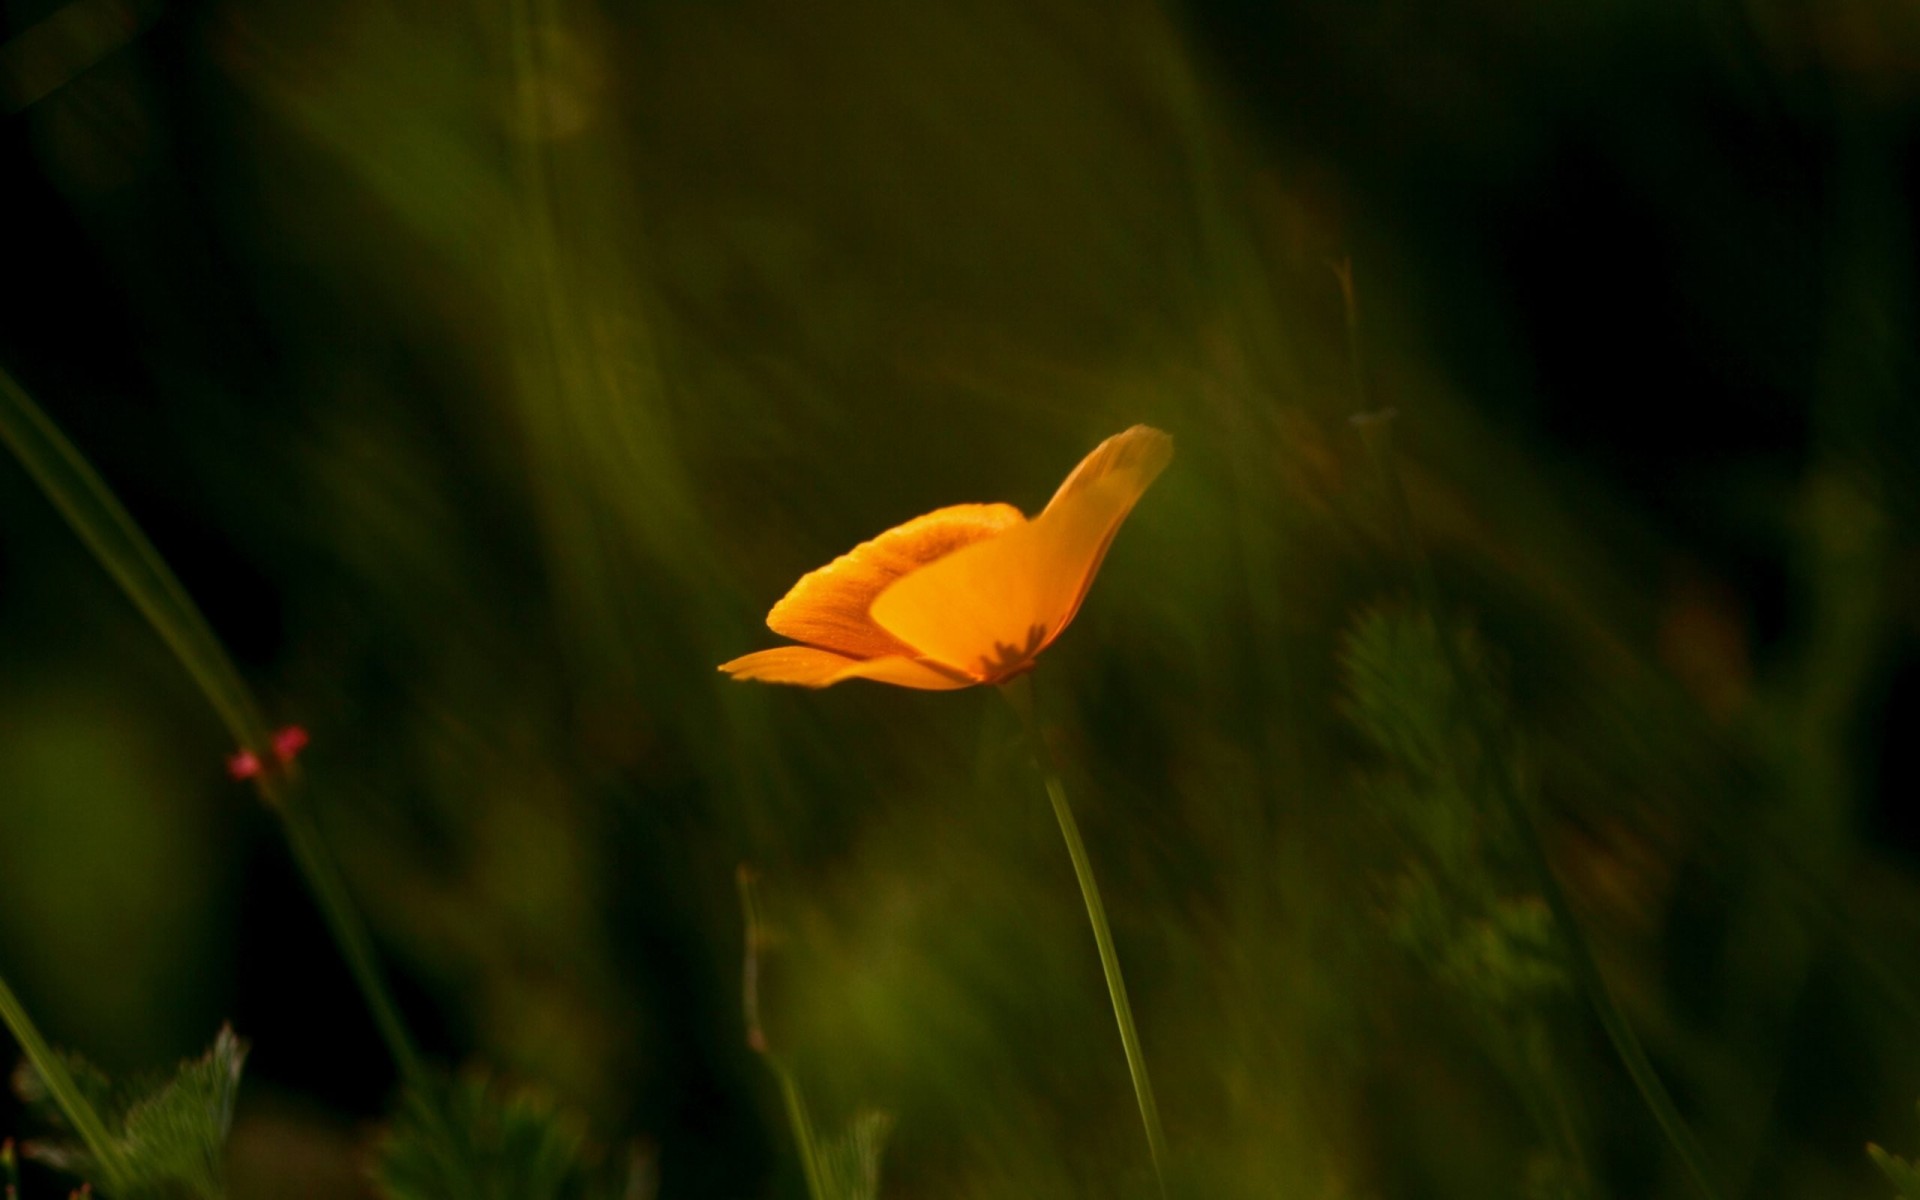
{"x":1020,"y":694}
{"x":350,"y":934}
{"x":104,"y":526}
{"x":802,"y":1122}
{"x":95,"y":514}
{"x":66,"y":1093}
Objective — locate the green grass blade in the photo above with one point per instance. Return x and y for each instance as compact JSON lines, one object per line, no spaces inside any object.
{"x":84,"y":499}
{"x":96,"y":515}
{"x":65,"y":1092}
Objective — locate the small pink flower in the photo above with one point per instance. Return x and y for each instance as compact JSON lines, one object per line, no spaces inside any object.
{"x":288,"y":743}
{"x":243,"y":764}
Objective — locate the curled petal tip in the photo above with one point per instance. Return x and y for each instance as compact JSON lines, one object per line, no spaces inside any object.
{"x":991,"y":607}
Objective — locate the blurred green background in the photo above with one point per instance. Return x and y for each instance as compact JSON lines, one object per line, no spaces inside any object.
{"x":486,"y":371}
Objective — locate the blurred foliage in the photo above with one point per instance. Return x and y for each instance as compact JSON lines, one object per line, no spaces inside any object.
{"x":476,"y":1138}
{"x":846,"y":1167}
{"x":1461,"y":903}
{"x":168,"y":1138}
{"x":851,"y":1162}
{"x":485,"y":372}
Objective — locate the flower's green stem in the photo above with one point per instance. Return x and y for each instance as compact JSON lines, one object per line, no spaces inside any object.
{"x":1019,"y":693}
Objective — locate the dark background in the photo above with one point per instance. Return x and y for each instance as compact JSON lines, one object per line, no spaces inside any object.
{"x":485,"y":373}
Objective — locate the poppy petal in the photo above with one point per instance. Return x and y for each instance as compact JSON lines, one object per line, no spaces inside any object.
{"x":989,"y":608}
{"x":808,"y":666}
{"x":1141,"y":449}
{"x":829,"y":607}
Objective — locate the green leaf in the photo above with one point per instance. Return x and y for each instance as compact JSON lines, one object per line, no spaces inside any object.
{"x":170,"y":1138}
{"x":179,"y":1133}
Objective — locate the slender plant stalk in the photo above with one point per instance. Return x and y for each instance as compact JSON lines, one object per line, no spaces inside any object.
{"x":1019,"y":693}
{"x":1377,"y":431}
{"x":66,"y":1093}
{"x":758,"y":939}
{"x":802,"y":1122}
{"x":350,"y":933}
{"x":90,"y":507}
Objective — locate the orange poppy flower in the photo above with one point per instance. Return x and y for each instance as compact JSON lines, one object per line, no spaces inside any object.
{"x":964,"y":595}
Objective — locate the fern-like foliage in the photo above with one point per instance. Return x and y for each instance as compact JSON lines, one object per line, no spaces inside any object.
{"x":170,"y":1137}
{"x":1457,"y":895}
{"x":1459,"y":899}
{"x":476,"y":1139}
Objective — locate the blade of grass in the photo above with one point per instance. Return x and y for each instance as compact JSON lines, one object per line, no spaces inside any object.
{"x":90,"y":507}
{"x":65,"y":1092}
{"x":96,"y":515}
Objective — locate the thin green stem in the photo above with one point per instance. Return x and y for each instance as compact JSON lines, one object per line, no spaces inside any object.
{"x":1377,"y":432}
{"x":95,"y":514}
{"x":757,"y":941}
{"x":66,"y":1093}
{"x":802,"y":1122}
{"x":1626,"y":1043}
{"x":350,"y":934}
{"x":91,"y":508}
{"x":1019,"y":693}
